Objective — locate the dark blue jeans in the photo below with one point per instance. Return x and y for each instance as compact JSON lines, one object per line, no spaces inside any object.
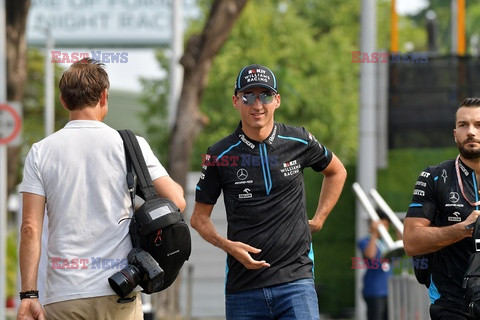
{"x":286,"y":301}
{"x":377,"y":308}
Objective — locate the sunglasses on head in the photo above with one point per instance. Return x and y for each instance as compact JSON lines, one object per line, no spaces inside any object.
{"x":264,"y":97}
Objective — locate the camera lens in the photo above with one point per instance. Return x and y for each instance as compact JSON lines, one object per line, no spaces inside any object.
{"x":124,"y":281}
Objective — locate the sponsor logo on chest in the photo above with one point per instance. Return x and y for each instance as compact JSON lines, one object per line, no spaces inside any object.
{"x":290,"y":168}
{"x":455,"y":218}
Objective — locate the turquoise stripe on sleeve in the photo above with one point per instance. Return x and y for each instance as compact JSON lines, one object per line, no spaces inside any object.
{"x":415,"y":205}
{"x":294,"y":139}
{"x":230,"y":148}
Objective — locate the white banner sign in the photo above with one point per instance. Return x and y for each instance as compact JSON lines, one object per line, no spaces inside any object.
{"x":103,"y":23}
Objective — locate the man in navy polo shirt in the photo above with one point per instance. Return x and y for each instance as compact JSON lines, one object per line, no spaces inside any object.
{"x":439,"y":221}
{"x":259,"y":168}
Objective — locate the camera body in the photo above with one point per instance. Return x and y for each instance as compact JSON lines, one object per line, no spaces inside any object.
{"x":142,"y":270}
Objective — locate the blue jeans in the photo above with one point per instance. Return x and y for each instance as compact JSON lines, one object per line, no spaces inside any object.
{"x":292,"y":300}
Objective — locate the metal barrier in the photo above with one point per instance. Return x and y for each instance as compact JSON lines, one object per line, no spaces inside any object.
{"x":407,"y":299}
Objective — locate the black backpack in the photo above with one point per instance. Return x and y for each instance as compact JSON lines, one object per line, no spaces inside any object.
{"x":158,"y":226}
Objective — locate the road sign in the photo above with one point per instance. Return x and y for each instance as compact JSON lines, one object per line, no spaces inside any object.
{"x":10,"y":123}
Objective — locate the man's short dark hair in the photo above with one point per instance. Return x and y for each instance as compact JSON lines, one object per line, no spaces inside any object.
{"x":82,"y":84}
{"x":382,"y":214}
{"x":470,"y":102}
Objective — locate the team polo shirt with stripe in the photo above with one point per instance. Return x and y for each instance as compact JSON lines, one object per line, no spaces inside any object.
{"x":263,"y":189}
{"x":438,"y":197}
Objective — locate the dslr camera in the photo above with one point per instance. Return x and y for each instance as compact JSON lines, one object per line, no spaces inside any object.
{"x":142,"y":270}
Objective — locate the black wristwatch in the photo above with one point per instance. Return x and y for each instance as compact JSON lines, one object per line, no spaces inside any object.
{"x":32,"y":294}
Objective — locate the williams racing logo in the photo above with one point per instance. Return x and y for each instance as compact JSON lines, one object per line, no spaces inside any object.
{"x":290,"y":168}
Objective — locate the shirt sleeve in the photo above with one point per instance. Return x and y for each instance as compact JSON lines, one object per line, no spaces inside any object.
{"x":155,"y":168}
{"x":318,"y":156}
{"x":424,"y":203}
{"x":32,"y":180}
{"x":209,"y":185}
{"x":362,"y":243}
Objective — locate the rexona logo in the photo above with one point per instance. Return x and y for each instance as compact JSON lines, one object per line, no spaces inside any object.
{"x":101,"y":56}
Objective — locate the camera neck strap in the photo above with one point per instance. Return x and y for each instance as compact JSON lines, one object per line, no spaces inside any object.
{"x":139,"y":176}
{"x":460,"y":184}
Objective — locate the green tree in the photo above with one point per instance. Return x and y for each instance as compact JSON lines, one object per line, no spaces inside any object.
{"x":34,"y":99}
{"x":155,"y":100}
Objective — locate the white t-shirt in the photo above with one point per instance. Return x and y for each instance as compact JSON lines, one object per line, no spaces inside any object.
{"x":81,"y":172}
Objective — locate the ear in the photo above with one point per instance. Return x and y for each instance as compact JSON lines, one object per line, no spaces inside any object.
{"x":104,"y":97}
{"x":236,"y":102}
{"x":279,"y":100}
{"x":64,"y":105}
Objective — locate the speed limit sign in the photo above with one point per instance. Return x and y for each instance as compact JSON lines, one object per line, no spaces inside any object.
{"x":10,"y":123}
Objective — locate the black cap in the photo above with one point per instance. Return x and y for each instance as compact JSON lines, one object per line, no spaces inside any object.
{"x":256,"y":75}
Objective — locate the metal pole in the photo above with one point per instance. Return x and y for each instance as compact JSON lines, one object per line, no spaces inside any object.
{"x":3,"y":167}
{"x":188,"y":315}
{"x":393,"y":27}
{"x":461,"y":32}
{"x":49,"y":85}
{"x":366,"y":165}
{"x":453,"y":27}
{"x":176,"y":70}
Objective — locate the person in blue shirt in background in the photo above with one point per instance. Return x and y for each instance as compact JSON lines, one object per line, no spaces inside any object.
{"x":375,"y":280}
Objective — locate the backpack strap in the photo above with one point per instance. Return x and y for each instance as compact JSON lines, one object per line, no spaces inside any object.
{"x":136,"y":160}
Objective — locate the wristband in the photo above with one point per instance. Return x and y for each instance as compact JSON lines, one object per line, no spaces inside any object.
{"x":32,"y":294}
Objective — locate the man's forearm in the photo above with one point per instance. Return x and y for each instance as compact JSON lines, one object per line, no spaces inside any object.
{"x":29,"y":257}
{"x":421,"y":240}
{"x":331,"y":190}
{"x":207,"y":231}
{"x":31,"y":239}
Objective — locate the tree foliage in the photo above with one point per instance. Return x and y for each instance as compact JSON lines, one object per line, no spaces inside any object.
{"x":154,"y":98}
{"x":34,"y":99}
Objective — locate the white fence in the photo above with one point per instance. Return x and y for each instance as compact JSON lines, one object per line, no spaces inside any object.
{"x":407,"y":299}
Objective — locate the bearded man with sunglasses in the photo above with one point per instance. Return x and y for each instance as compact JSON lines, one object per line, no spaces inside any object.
{"x":441,"y":216}
{"x":259,"y":168}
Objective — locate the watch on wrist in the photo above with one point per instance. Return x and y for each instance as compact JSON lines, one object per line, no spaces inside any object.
{"x":31,"y":294}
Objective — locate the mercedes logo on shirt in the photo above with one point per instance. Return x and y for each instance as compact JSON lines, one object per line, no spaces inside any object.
{"x":454,"y":197}
{"x":242,"y":174}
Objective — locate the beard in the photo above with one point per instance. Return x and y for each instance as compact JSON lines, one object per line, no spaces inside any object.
{"x":470,"y":154}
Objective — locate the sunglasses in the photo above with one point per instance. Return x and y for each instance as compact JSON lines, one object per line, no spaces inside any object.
{"x":264,"y":97}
